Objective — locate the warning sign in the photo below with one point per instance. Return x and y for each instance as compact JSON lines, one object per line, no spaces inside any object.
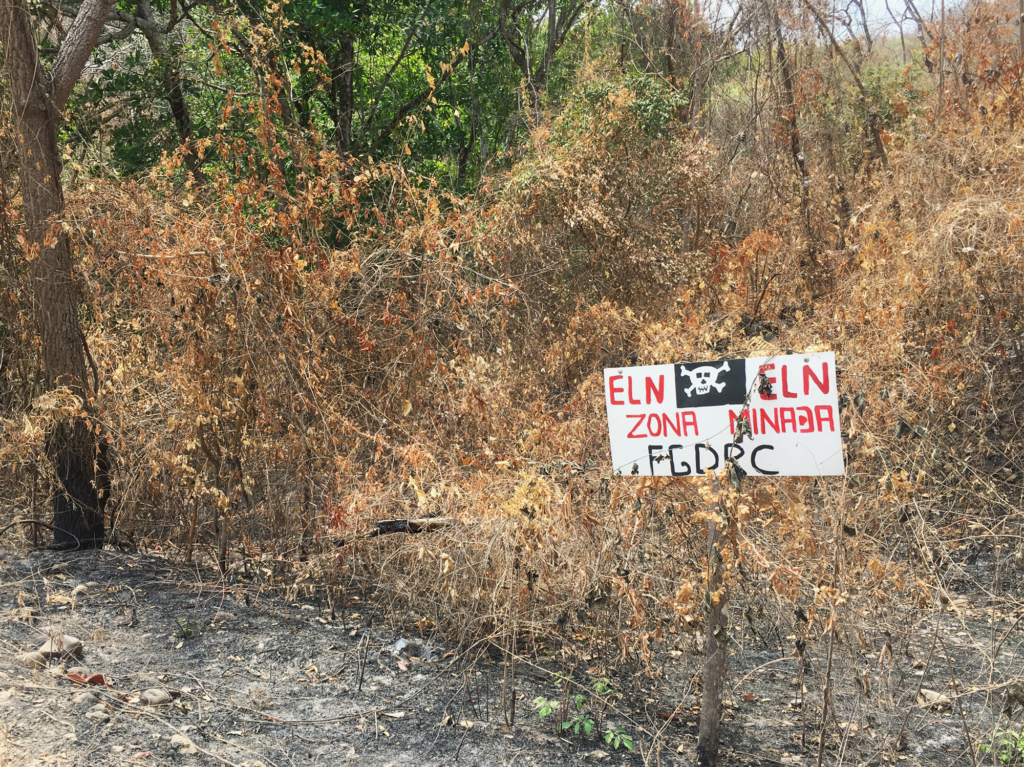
{"x":679,"y":420}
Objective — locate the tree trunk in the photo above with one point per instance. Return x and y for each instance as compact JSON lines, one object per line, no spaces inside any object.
{"x":77,"y":459}
{"x":697,"y":76}
{"x":342,"y":82}
{"x":552,"y":41}
{"x":170,"y":76}
{"x":465,"y":152}
{"x":790,"y":112}
{"x":716,"y":646}
{"x":670,"y":44}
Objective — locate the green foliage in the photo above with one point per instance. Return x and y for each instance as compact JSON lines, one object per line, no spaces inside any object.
{"x":579,"y":718}
{"x":894,"y":93}
{"x":1008,"y":747}
{"x":544,"y":706}
{"x":653,"y":105}
{"x":119,"y":107}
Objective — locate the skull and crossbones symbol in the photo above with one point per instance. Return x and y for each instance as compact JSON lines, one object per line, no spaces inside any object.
{"x":703,"y":378}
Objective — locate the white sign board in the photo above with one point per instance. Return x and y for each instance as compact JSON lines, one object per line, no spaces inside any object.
{"x":679,"y":420}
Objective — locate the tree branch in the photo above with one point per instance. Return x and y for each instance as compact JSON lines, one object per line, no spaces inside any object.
{"x":558,"y":27}
{"x":865,"y":97}
{"x":411,"y":526}
{"x":387,"y":78}
{"x":919,"y":19}
{"x":126,"y":31}
{"x":421,"y":97}
{"x":515,"y":50}
{"x":75,"y":50}
{"x":9,"y":525}
{"x":186,"y":13}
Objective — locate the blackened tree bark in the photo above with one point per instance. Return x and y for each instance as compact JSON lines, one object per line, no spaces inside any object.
{"x":78,"y":459}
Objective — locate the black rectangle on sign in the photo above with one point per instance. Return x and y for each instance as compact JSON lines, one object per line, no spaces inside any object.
{"x":706,"y":384}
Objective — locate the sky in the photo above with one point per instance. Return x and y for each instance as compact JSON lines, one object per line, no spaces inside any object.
{"x":879,"y":19}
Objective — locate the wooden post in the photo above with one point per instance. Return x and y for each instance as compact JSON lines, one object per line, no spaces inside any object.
{"x":716,"y":639}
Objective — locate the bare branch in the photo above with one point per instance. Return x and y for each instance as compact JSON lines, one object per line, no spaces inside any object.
{"x":422,"y":97}
{"x":126,"y":31}
{"x":872,"y":115}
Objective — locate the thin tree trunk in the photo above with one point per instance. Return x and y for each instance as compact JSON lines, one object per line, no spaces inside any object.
{"x":670,"y":44}
{"x":716,"y":645}
{"x":11,"y":351}
{"x":869,"y":43}
{"x":552,"y":41}
{"x":78,"y":460}
{"x":558,"y":26}
{"x":899,"y":26}
{"x":1020,"y":62}
{"x":342,"y":81}
{"x":465,"y":152}
{"x":170,"y":76}
{"x":790,"y":112}
{"x":697,"y":76}
{"x":510,"y":33}
{"x":942,"y":61}
{"x":874,"y":131}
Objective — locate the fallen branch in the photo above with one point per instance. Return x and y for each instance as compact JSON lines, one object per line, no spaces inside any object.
{"x":9,"y":525}
{"x":387,"y":526}
{"x":62,"y":547}
{"x":272,"y":720}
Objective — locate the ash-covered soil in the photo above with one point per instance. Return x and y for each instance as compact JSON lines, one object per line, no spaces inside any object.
{"x":247,"y":678}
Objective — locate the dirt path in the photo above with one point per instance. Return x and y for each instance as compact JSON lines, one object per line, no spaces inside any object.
{"x":253,"y":680}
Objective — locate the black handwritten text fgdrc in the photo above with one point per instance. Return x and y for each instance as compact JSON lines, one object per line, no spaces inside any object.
{"x":684,"y":460}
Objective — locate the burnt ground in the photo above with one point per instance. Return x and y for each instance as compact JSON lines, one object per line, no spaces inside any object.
{"x":257,"y":680}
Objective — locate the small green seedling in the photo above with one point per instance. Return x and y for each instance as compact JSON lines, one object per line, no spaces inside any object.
{"x":580,"y":718}
{"x":544,"y":706}
{"x":184,"y":628}
{"x":583,"y":713}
